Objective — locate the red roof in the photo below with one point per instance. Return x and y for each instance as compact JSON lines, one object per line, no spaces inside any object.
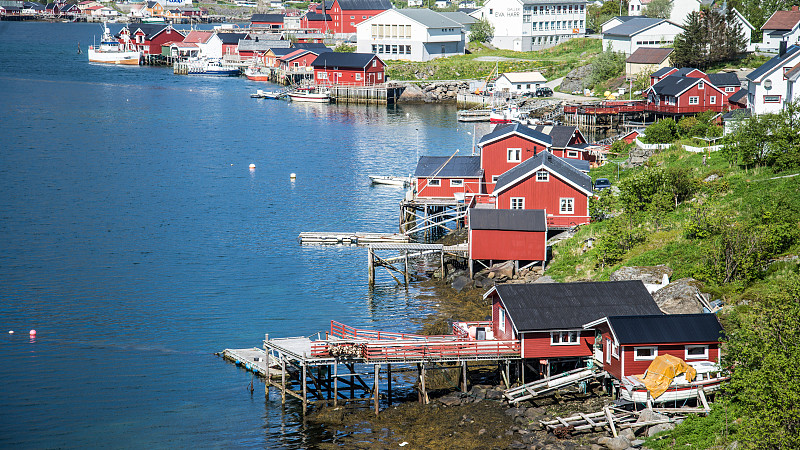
{"x":198,"y":37}
{"x":649,"y":55}
{"x":782,"y":20}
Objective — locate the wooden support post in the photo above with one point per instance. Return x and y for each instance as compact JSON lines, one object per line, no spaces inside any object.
{"x":405,"y":267}
{"x":419,"y":383}
{"x":376,"y":387}
{"x":389,"y":383}
{"x":464,"y":377}
{"x":425,"y":399}
{"x":441,"y":259}
{"x":610,"y":420}
{"x":370,"y":266}
{"x":701,"y":393}
{"x":283,"y":380}
{"x":266,"y":350}
{"x":335,"y":382}
{"x":305,"y":386}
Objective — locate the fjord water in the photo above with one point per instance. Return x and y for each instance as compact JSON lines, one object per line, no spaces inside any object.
{"x":137,"y":242}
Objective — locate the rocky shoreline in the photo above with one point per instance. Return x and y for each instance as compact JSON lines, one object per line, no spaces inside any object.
{"x":431,"y":92}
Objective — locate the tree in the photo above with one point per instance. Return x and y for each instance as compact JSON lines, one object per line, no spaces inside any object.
{"x":665,"y":131}
{"x":607,"y":65}
{"x":598,"y":15}
{"x":708,"y":38}
{"x":771,"y":139}
{"x":345,"y":48}
{"x":482,"y":31}
{"x":659,"y":9}
{"x":690,"y":45}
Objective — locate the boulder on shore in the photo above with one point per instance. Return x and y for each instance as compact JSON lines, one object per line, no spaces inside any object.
{"x":679,"y":297}
{"x":648,"y":274}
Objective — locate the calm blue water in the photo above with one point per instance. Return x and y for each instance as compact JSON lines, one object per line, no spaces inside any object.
{"x":136,"y":241}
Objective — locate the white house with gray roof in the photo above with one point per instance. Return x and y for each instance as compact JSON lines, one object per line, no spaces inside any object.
{"x":775,"y":83}
{"x":640,"y":32}
{"x":410,"y":34}
{"x":525,"y":25}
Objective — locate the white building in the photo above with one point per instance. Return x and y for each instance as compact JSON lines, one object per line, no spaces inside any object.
{"x":640,"y":32}
{"x":410,"y":34}
{"x":775,"y":83}
{"x":415,"y":3}
{"x":519,"y":82}
{"x":678,"y":14}
{"x":781,"y":26}
{"x":464,"y":19}
{"x":525,"y":25}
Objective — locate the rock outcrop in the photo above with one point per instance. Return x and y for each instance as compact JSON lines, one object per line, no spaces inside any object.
{"x":439,"y":91}
{"x":679,"y":297}
{"x":648,"y":274}
{"x":576,"y":79}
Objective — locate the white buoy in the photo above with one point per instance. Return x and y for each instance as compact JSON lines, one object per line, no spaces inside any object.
{"x":292,"y":175}
{"x":33,"y":333}
{"x":252,"y":166}
{"x":10,"y":331}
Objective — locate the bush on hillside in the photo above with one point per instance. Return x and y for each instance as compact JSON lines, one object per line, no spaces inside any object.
{"x":481,"y":31}
{"x":664,"y":131}
{"x":771,"y":139}
{"x":607,"y":65}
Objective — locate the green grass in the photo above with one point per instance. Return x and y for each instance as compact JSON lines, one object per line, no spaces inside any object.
{"x":712,"y":431}
{"x":553,"y":62}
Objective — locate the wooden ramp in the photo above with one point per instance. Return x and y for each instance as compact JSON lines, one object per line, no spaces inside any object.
{"x":350,"y":238}
{"x":545,"y":385}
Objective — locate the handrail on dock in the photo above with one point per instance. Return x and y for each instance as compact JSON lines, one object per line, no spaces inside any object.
{"x":415,"y":350}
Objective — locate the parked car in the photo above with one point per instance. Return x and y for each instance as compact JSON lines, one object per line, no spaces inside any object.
{"x":601,"y":183}
{"x":544,"y":92}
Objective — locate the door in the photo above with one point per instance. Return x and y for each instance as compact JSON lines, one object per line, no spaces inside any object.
{"x":370,"y":78}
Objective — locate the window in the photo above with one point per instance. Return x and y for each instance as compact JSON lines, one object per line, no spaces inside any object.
{"x":563,"y":338}
{"x":567,"y":206}
{"x":374,"y":63}
{"x":572,"y":154}
{"x":694,"y":100}
{"x":358,"y":77}
{"x":380,"y":48}
{"x":501,"y":319}
{"x":608,"y":351}
{"x":712,"y":100}
{"x":380,"y":75}
{"x":615,"y":350}
{"x":394,"y":50}
{"x":701,"y":85}
{"x":456,"y":182}
{"x":408,"y":49}
{"x":374,"y":48}
{"x":514,"y":155}
{"x":322,"y":75}
{"x":494,"y":178}
{"x":645,"y":353}
{"x":772,"y":99}
{"x":517,"y":202}
{"x":542,"y":175}
{"x":352,"y":17}
{"x":729,"y":89}
{"x":434,"y":182}
{"x":696,"y":352}
{"x":490,"y":11}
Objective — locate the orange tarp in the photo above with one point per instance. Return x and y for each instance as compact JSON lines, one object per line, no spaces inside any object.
{"x":661,"y":372}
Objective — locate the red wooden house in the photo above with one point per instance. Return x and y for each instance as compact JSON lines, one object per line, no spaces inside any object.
{"x":549,"y":318}
{"x":299,"y":59}
{"x":506,"y":147}
{"x":631,"y":343}
{"x":348,"y":69}
{"x":444,"y":177}
{"x":270,"y":57}
{"x":504,"y":234}
{"x":690,"y":91}
{"x":567,"y":142}
{"x":317,"y":21}
{"x":230,"y":42}
{"x":346,"y":14}
{"x":267,"y":20}
{"x":550,"y":183}
{"x":149,"y":38}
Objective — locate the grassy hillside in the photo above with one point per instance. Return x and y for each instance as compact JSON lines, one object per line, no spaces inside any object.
{"x":553,"y":62}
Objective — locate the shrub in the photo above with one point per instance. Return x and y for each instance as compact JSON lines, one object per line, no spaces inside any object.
{"x":664,"y":131}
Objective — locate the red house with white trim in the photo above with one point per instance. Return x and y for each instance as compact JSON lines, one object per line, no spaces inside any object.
{"x":297,"y":60}
{"x":348,"y":69}
{"x":448,"y":177}
{"x":346,"y":14}
{"x":549,"y":318}
{"x":317,"y":21}
{"x":631,"y":343}
{"x":230,"y":42}
{"x":567,"y":142}
{"x":507,"y":234}
{"x":550,"y":183}
{"x":148,"y":38}
{"x":689,"y":91}
{"x":506,"y":147}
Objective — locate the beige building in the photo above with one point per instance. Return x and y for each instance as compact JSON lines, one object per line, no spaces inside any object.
{"x":647,"y":59}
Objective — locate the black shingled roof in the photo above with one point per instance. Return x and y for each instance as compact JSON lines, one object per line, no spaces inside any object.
{"x":739,"y":97}
{"x":458,"y":166}
{"x":662,"y":71}
{"x":149,"y":29}
{"x":560,"y":134}
{"x":507,"y":219}
{"x":267,"y":18}
{"x":772,"y":63}
{"x":281,"y":51}
{"x":674,"y":84}
{"x":348,"y":5}
{"x":314,"y":46}
{"x":666,"y":328}
{"x":559,"y":306}
{"x":724,"y":79}
{"x":343,"y":60}
{"x":231,"y":38}
{"x":517,"y":128}
{"x":317,"y":16}
{"x":555,"y":165}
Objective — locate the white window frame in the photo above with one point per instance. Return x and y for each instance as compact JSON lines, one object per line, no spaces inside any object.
{"x":712,"y":100}
{"x":516,"y":152}
{"x":520,"y":203}
{"x":495,"y":178}
{"x":358,"y":77}
{"x":729,"y":88}
{"x":703,"y":356}
{"x":456,"y":182}
{"x":564,"y":201}
{"x":435,"y":182}
{"x":636,"y":356}
{"x":542,"y":176}
{"x":608,"y":351}
{"x":694,"y":100}
{"x":568,"y":334}
{"x":701,"y":85}
{"x":774,"y":98}
{"x":501,"y":318}
{"x":572,"y":154}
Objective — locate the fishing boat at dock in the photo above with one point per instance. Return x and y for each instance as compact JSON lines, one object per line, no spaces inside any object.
{"x":310,"y":94}
{"x":508,"y":114}
{"x":257,"y":73}
{"x":112,"y":51}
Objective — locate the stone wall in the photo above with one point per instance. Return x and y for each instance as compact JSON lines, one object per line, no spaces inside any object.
{"x":433,"y":92}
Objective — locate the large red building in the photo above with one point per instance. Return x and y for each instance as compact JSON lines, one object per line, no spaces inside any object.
{"x":148,"y":38}
{"x":346,"y":14}
{"x":505,"y":234}
{"x":297,"y":60}
{"x":317,"y":21}
{"x":446,"y":177}
{"x":348,"y":69}
{"x":567,"y":142}
{"x":267,"y":20}
{"x":506,"y":147}
{"x":690,"y":91}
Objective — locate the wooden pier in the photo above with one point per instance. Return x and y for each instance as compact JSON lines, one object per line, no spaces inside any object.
{"x":430,"y":215}
{"x":383,"y":94}
{"x":407,"y":253}
{"x":350,"y":238}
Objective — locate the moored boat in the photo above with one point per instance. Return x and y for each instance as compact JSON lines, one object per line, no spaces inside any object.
{"x":390,"y":180}
{"x":112,"y":51}
{"x":257,"y":73}
{"x":310,"y":94}
{"x":505,"y":115}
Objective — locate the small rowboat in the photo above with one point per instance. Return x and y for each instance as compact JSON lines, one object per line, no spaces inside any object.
{"x":390,"y":180}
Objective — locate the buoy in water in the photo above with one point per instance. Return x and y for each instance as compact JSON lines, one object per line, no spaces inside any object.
{"x":10,"y":331}
{"x":252,"y":166}
{"x":33,"y":333}
{"x":292,"y":176}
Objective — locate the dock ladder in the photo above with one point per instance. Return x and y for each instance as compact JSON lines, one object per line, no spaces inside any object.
{"x":545,"y":385}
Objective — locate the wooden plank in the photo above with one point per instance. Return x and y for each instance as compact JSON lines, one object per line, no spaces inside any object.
{"x":702,"y":394}
{"x":610,"y":420}
{"x":587,"y":419}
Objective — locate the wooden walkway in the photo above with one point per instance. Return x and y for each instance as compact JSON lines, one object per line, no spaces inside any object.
{"x":549,"y":384}
{"x":350,"y":238}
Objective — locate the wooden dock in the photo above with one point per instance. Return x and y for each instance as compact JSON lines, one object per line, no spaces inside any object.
{"x":383,"y":94}
{"x":252,"y":359}
{"x":350,"y":238}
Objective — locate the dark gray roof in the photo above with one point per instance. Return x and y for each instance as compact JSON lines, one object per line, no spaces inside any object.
{"x":579,"y":164}
{"x":666,"y":328}
{"x":724,"y":79}
{"x":560,"y":134}
{"x":553,"y":163}
{"x":267,"y":18}
{"x":429,"y":18}
{"x":736,"y":114}
{"x":460,"y":17}
{"x":315,"y":46}
{"x":259,"y":44}
{"x":662,"y":71}
{"x":282,"y":51}
{"x":739,"y":97}
{"x":348,"y":5}
{"x":633,"y":26}
{"x":231,"y":38}
{"x":772,"y":63}
{"x":558,"y":306}
{"x":345,"y":60}
{"x":674,"y":84}
{"x":516,"y":128}
{"x":507,"y":219}
{"x":317,"y":16}
{"x":149,"y":29}
{"x":458,"y":166}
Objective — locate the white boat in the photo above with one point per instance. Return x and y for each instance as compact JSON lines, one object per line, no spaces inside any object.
{"x":390,"y":180}
{"x":268,"y":94}
{"x":310,"y":95}
{"x":112,"y":51}
{"x":709,"y":379}
{"x":213,"y":67}
{"x":507,"y":114}
{"x":257,"y":73}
